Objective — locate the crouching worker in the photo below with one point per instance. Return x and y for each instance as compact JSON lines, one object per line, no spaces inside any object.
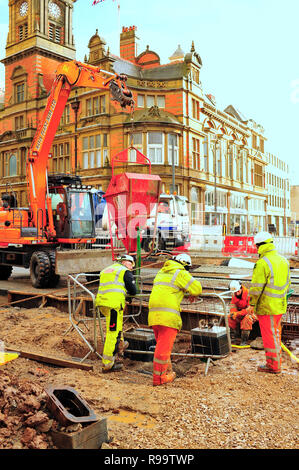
{"x":115,"y":282}
{"x":239,"y":316}
{"x":170,"y":285}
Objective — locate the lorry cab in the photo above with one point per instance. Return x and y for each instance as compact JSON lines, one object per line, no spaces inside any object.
{"x":173,"y":224}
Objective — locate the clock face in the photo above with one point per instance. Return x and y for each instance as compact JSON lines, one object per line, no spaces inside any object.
{"x":54,"y":10}
{"x":23,"y":9}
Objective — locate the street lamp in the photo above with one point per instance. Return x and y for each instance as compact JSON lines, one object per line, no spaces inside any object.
{"x":75,"y":107}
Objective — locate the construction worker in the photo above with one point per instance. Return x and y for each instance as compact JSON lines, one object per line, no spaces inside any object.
{"x":239,"y":317}
{"x":268,"y":291}
{"x":170,"y":285}
{"x":115,"y":282}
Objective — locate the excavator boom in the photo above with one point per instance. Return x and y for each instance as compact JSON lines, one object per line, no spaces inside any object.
{"x":60,"y":215}
{"x":68,"y":75}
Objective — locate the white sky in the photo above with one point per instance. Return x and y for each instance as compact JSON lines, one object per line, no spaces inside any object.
{"x":249,"y":50}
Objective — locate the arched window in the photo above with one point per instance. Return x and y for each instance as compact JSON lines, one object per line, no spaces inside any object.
{"x":12,"y":165}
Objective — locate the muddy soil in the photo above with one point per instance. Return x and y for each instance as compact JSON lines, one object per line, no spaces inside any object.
{"x":231,"y":407}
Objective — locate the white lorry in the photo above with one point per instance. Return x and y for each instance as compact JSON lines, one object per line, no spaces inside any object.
{"x":173,"y":223}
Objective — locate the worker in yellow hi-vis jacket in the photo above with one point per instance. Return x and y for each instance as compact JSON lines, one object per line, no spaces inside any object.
{"x":268,"y":298}
{"x":170,"y":285}
{"x":115,"y":282}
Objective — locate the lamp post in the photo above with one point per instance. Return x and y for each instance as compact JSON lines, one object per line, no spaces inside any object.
{"x":75,"y":107}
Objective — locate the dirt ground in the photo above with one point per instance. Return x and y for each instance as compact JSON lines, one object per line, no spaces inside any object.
{"x":231,"y":407}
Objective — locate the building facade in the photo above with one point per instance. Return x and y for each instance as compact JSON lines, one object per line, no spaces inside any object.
{"x":295,"y":210}
{"x":216,"y":158}
{"x":279,"y":195}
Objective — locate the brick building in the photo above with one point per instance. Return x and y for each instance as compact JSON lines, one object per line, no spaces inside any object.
{"x":216,"y":158}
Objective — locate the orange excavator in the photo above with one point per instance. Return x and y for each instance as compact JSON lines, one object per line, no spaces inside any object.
{"x":60,"y":214}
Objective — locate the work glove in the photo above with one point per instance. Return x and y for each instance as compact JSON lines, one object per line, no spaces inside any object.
{"x":192,"y":299}
{"x":233,"y":315}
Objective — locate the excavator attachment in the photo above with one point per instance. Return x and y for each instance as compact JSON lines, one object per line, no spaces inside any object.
{"x":121,"y":93}
{"x":82,"y":261}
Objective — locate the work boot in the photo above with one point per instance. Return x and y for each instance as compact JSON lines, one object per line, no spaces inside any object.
{"x":167,"y":378}
{"x":233,"y":334}
{"x":115,"y":367}
{"x":244,"y":337}
{"x":266,"y":368}
{"x":257,"y":343}
{"x":122,"y":346}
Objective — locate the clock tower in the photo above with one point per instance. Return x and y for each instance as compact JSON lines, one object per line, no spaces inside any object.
{"x":39,"y":37}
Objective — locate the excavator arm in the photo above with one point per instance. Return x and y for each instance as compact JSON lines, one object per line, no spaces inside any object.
{"x":68,"y":75}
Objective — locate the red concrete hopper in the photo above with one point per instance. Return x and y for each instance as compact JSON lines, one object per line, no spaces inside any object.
{"x":130,"y":198}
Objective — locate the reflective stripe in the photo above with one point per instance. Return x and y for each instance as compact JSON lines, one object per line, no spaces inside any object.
{"x":277,"y":296}
{"x":163,"y":309}
{"x":270,"y":350}
{"x":171,"y":282}
{"x":255,"y":291}
{"x":107,"y":291}
{"x":109,"y":283}
{"x":277,"y":346}
{"x":108,"y":358}
{"x":257,"y":284}
{"x":166,"y":284}
{"x":174,"y":277}
{"x":189,"y":283}
{"x":159,"y":361}
{"x":271,"y":285}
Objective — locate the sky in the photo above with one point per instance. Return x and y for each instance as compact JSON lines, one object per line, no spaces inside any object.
{"x":249,"y":51}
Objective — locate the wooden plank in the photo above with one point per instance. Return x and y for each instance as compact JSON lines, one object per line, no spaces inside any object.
{"x":51,"y":359}
{"x":90,"y":437}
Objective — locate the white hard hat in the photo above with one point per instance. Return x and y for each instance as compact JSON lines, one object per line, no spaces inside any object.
{"x":235,"y":286}
{"x":184,"y":259}
{"x":126,"y":258}
{"x":263,"y":237}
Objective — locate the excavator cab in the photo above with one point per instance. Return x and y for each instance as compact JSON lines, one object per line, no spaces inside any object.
{"x":82,"y":217}
{"x":73,"y":212}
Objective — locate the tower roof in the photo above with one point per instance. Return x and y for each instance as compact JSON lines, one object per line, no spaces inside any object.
{"x":178,"y":54}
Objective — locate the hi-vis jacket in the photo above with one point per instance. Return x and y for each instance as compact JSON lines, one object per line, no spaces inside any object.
{"x":270,"y":282}
{"x":112,"y":291}
{"x":240,"y":303}
{"x":170,"y":285}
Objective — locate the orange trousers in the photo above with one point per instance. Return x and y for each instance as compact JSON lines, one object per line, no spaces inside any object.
{"x":165,"y":338}
{"x":242,"y":318}
{"x":270,"y":326}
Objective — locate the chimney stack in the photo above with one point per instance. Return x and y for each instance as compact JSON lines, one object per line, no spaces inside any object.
{"x":128,"y":43}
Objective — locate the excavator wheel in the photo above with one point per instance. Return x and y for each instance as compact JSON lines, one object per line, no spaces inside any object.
{"x":54,"y":278}
{"x":5,"y":272}
{"x":40,"y":269}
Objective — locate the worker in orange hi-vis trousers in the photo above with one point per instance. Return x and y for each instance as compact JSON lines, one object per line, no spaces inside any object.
{"x":170,"y":285}
{"x":268,"y":298}
{"x":238,"y":317}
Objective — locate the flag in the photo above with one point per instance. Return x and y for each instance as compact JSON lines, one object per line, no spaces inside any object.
{"x":98,"y":1}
